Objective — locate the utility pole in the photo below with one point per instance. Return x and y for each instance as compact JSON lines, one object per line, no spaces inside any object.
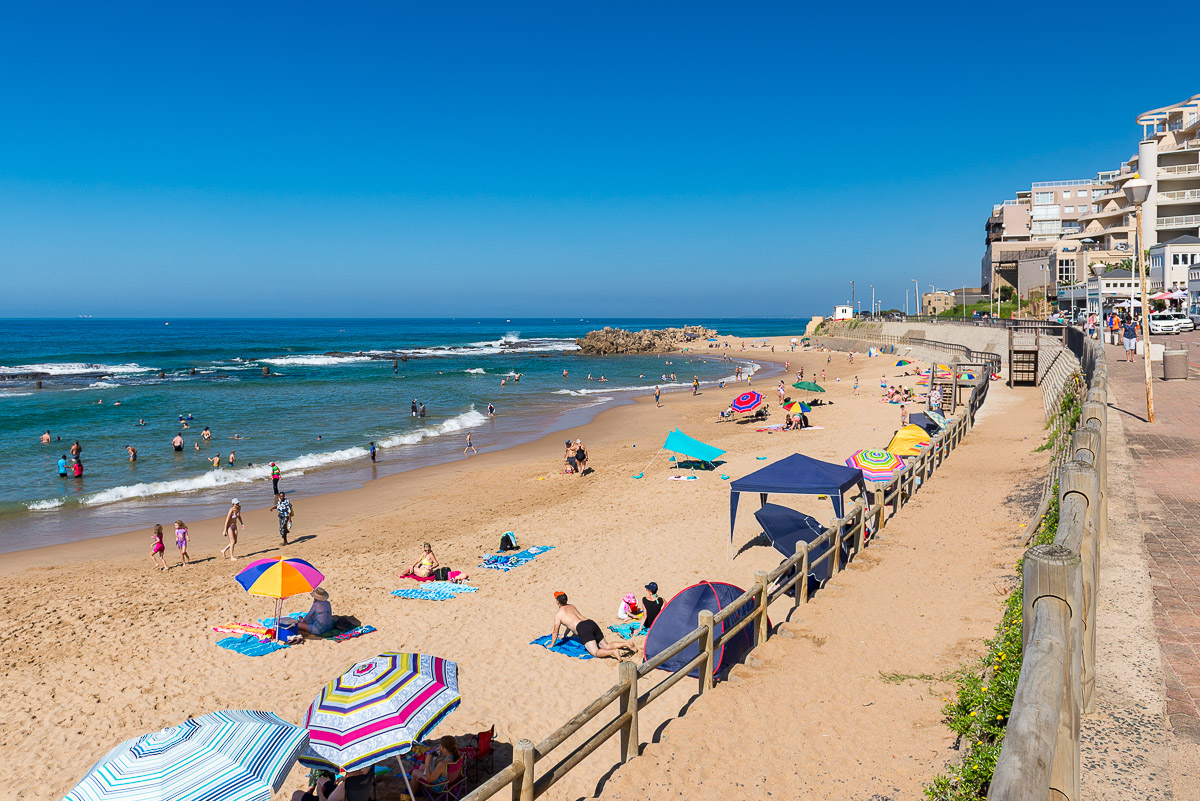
{"x":872,"y":300}
{"x":916,"y":298}
{"x":906,"y":303}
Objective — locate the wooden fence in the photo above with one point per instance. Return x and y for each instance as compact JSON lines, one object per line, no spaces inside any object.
{"x":1040,"y":756}
{"x":537,"y":768}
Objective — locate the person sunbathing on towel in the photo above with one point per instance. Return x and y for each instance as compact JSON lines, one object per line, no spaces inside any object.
{"x":424,"y":566}
{"x":569,"y":618}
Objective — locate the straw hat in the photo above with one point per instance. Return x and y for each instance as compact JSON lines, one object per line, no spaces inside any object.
{"x":319,"y":594}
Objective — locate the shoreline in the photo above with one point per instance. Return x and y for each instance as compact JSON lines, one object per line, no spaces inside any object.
{"x":129,"y":542}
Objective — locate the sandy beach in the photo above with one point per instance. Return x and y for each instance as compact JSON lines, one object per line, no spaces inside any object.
{"x":99,"y":646}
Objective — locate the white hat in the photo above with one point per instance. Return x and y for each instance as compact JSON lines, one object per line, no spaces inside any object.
{"x":236,"y":502}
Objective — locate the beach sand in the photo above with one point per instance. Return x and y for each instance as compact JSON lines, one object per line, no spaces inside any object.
{"x":99,"y":646}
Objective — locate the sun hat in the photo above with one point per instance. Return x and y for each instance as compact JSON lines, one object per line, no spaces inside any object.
{"x":653,"y":587}
{"x":236,"y":502}
{"x":630,"y":598}
{"x":319,"y":594}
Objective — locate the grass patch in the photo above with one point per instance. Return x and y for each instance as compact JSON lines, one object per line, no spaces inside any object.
{"x":904,"y":678}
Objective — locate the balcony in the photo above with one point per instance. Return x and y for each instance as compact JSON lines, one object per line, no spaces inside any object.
{"x":1179,"y":170}
{"x":1190,"y":144}
{"x":1052,"y":184}
{"x":1184,"y":221}
{"x":1182,"y":196}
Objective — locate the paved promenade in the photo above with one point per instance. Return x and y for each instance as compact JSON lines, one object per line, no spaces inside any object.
{"x":1166,"y":475}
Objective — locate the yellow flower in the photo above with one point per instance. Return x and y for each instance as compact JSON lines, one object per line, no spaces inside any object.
{"x":999,"y":717}
{"x":985,"y":689}
{"x":972,"y":713}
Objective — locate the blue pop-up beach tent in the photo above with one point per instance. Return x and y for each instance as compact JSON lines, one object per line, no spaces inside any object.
{"x":681,"y":443}
{"x":796,"y":475}
{"x":678,"y":619}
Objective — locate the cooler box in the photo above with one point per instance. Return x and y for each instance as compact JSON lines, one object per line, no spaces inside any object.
{"x":287,"y":627}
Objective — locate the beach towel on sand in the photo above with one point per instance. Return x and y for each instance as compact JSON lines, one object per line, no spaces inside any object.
{"x":507,"y":563}
{"x":568,"y":647}
{"x":249,"y":645}
{"x":436,"y":591}
{"x":633,"y":628}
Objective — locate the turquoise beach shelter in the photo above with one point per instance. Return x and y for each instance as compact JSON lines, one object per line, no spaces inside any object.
{"x":680,"y":442}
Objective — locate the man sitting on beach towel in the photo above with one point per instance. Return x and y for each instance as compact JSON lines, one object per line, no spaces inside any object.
{"x":586,"y":630}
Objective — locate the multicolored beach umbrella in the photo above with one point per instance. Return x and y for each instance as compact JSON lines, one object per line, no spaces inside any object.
{"x":747,"y":402}
{"x":236,"y":755}
{"x":876,"y":465}
{"x":808,"y":386}
{"x":903,"y":363}
{"x":937,"y":417}
{"x":378,"y":709}
{"x":967,"y":376}
{"x":279,"y":577}
{"x":796,"y":407}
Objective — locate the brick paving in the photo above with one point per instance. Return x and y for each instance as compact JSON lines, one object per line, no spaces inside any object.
{"x":1166,"y":476}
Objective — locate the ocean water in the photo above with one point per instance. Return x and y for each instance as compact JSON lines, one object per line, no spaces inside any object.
{"x":333,"y":388}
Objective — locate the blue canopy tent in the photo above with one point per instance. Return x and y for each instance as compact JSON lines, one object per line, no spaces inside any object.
{"x":681,"y":443}
{"x":922,"y":420}
{"x":796,"y":475}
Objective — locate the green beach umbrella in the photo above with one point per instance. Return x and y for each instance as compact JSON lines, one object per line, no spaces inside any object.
{"x":808,"y":386}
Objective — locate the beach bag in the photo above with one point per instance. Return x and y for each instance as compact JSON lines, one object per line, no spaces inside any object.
{"x":508,"y":542}
{"x":441,"y":573}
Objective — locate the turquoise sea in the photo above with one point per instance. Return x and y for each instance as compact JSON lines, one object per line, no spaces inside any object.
{"x":334,"y":386}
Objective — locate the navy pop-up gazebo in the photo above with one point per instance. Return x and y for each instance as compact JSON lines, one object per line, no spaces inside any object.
{"x":796,"y":475}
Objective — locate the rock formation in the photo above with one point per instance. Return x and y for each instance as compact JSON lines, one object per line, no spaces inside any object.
{"x":610,"y":340}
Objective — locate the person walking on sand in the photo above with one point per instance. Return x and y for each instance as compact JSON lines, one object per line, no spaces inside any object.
{"x":581,"y":456}
{"x":568,"y":617}
{"x":855,"y":385}
{"x":469,"y":447}
{"x":822,"y":375}
{"x":232,"y":518}
{"x":903,"y":415}
{"x":157,"y":548}
{"x":284,"y":510}
{"x":695,"y":385}
{"x":181,"y":542}
{"x":275,"y":480}
{"x":657,"y":397}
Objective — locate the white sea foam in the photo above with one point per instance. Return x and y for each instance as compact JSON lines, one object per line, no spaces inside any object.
{"x":14,"y":394}
{"x":506,"y":344}
{"x":76,"y":368}
{"x":95,"y":385}
{"x":468,"y":419}
{"x":315,"y":360}
{"x":475,"y":370}
{"x":42,"y":506}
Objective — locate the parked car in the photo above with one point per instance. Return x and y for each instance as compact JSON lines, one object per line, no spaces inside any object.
{"x":1185,"y":322}
{"x":1163,"y":323}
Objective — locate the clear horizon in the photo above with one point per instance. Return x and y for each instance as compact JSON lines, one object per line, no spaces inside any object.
{"x":403,"y":162}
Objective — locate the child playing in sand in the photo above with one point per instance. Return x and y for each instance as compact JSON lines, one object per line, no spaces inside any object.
{"x":156,"y":550}
{"x":181,"y":542}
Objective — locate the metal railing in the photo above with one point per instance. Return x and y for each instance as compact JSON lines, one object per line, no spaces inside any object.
{"x":1040,"y":756}
{"x":1180,"y":169}
{"x":1076,"y":182}
{"x":1182,"y":221}
{"x":1182,"y":194}
{"x":537,"y":768}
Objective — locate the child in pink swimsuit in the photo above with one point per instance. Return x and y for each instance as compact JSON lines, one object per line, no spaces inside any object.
{"x":156,"y":550}
{"x":181,"y":542}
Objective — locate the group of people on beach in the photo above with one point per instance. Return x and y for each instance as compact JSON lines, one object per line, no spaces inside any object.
{"x":575,"y":456}
{"x":570,"y":621}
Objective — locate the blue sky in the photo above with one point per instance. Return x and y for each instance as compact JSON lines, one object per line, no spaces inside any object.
{"x":390,"y":159}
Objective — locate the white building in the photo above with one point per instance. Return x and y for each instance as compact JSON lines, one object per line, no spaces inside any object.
{"x":1170,"y":263}
{"x":845,"y":312}
{"x":1194,"y":292}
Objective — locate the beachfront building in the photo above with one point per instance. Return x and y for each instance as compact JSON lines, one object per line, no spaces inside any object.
{"x":1099,"y":294}
{"x":936,"y":302}
{"x":1170,"y":263}
{"x":1193,"y":309}
{"x":843,"y":312}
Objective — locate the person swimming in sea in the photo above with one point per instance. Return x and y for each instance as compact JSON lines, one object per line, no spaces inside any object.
{"x":132,"y":453}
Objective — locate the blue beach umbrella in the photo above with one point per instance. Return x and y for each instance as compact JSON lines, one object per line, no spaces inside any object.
{"x":235,"y":755}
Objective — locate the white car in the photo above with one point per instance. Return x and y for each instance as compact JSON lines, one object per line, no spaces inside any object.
{"x":1163,"y":323}
{"x":1185,"y":322}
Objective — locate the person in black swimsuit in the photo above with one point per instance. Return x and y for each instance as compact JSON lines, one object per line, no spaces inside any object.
{"x":652,"y":604}
{"x":585,"y":629}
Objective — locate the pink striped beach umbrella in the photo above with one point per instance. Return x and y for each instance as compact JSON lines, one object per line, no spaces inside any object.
{"x":747,"y":402}
{"x":379,"y":708}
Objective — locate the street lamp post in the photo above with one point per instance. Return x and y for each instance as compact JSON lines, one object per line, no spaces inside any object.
{"x":851,"y":297}
{"x":872,"y":300}
{"x":916,"y":298}
{"x":906,"y":303}
{"x":1137,"y":191}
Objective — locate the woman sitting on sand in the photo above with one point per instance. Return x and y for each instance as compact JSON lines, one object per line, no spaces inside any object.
{"x":424,"y":567}
{"x":354,"y":786}
{"x":433,"y":771}
{"x":319,"y":619}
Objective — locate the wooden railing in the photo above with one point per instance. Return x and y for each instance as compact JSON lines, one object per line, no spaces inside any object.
{"x":537,"y":768}
{"x":1040,"y":756}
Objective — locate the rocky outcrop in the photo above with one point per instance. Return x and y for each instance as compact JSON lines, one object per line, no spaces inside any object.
{"x":610,"y":340}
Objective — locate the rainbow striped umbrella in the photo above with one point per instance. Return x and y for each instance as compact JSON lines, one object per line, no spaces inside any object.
{"x":903,"y":363}
{"x":967,"y":376}
{"x":378,"y":709}
{"x":876,"y":465}
{"x":797,"y":406}
{"x":747,"y":402}
{"x":235,"y":755}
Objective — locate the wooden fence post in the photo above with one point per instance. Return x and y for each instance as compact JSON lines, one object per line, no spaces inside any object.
{"x":880,"y":494}
{"x":628,"y":672}
{"x":522,"y":789}
{"x":802,"y":585}
{"x":760,"y":581}
{"x":706,"y":645}
{"x":1080,"y":479}
{"x":1053,"y":574}
{"x":1095,"y":417}
{"x":835,"y":561}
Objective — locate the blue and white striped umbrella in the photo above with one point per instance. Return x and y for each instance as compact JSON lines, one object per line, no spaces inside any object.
{"x":236,"y":755}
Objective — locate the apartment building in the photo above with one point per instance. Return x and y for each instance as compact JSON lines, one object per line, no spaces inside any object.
{"x":1170,"y":263}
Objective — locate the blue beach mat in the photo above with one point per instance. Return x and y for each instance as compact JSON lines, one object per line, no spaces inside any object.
{"x":633,"y":628}
{"x":248,"y":645}
{"x":507,"y":563}
{"x":568,"y":647}
{"x":434,"y":591}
